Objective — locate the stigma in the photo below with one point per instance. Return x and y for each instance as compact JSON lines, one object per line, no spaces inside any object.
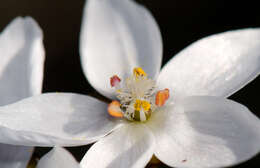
{"x":137,"y":95}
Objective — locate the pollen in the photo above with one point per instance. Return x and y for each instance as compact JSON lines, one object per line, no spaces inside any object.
{"x":139,"y":72}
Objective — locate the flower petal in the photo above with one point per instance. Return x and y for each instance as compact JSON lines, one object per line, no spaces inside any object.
{"x":116,"y":36}
{"x":63,"y":119}
{"x":206,"y":132}
{"x":130,"y":146}
{"x":58,"y":157}
{"x":21,"y":74}
{"x":14,"y":156}
{"x":217,"y":65}
{"x":22,"y":59}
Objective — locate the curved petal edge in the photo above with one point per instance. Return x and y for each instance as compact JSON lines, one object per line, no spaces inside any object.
{"x":217,"y":65}
{"x":117,"y":36}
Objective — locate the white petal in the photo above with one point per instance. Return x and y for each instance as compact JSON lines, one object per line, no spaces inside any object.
{"x":217,"y":65}
{"x":131,"y":146}
{"x":22,"y":59}
{"x":55,"y":119}
{"x":21,"y":72}
{"x":206,"y":132}
{"x":116,"y":36}
{"x":14,"y":156}
{"x":58,"y":158}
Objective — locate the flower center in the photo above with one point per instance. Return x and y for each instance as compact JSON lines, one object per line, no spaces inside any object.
{"x":137,"y":96}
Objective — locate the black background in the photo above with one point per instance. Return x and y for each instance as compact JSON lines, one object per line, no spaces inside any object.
{"x":181,"y":22}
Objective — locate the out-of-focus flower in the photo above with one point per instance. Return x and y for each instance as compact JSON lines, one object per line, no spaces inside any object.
{"x":183,"y":118}
{"x":21,"y":74}
{"x":58,"y":158}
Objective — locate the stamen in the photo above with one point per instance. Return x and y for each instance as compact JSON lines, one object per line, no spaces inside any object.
{"x":161,"y":97}
{"x":142,"y":110}
{"x":138,"y":104}
{"x":114,"y":109}
{"x":137,"y":96}
{"x":139,"y":72}
{"x":114,"y":80}
{"x":145,"y":105}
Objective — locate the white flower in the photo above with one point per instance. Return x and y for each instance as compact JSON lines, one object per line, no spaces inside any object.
{"x":21,"y":72}
{"x":58,"y":158}
{"x":192,"y":129}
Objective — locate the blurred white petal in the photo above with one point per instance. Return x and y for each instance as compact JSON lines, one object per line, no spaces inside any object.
{"x":58,"y":158}
{"x":14,"y":156}
{"x":21,"y":74}
{"x":116,"y":36}
{"x":217,"y":65}
{"x":22,"y":59}
{"x":131,"y":146}
{"x":205,"y":132}
{"x":55,"y":119}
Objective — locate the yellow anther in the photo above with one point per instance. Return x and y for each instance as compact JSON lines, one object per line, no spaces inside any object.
{"x":114,"y":109}
{"x":139,"y":72}
{"x":142,"y":104}
{"x":146,"y":105}
{"x":138,"y":104}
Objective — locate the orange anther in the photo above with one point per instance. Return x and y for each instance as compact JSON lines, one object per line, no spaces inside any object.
{"x":161,"y":97}
{"x":114,"y":109}
{"x":114,"y":80}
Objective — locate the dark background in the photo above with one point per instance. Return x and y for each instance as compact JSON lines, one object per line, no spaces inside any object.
{"x":181,"y":21}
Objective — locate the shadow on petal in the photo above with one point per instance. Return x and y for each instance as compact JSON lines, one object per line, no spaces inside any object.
{"x":89,"y":119}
